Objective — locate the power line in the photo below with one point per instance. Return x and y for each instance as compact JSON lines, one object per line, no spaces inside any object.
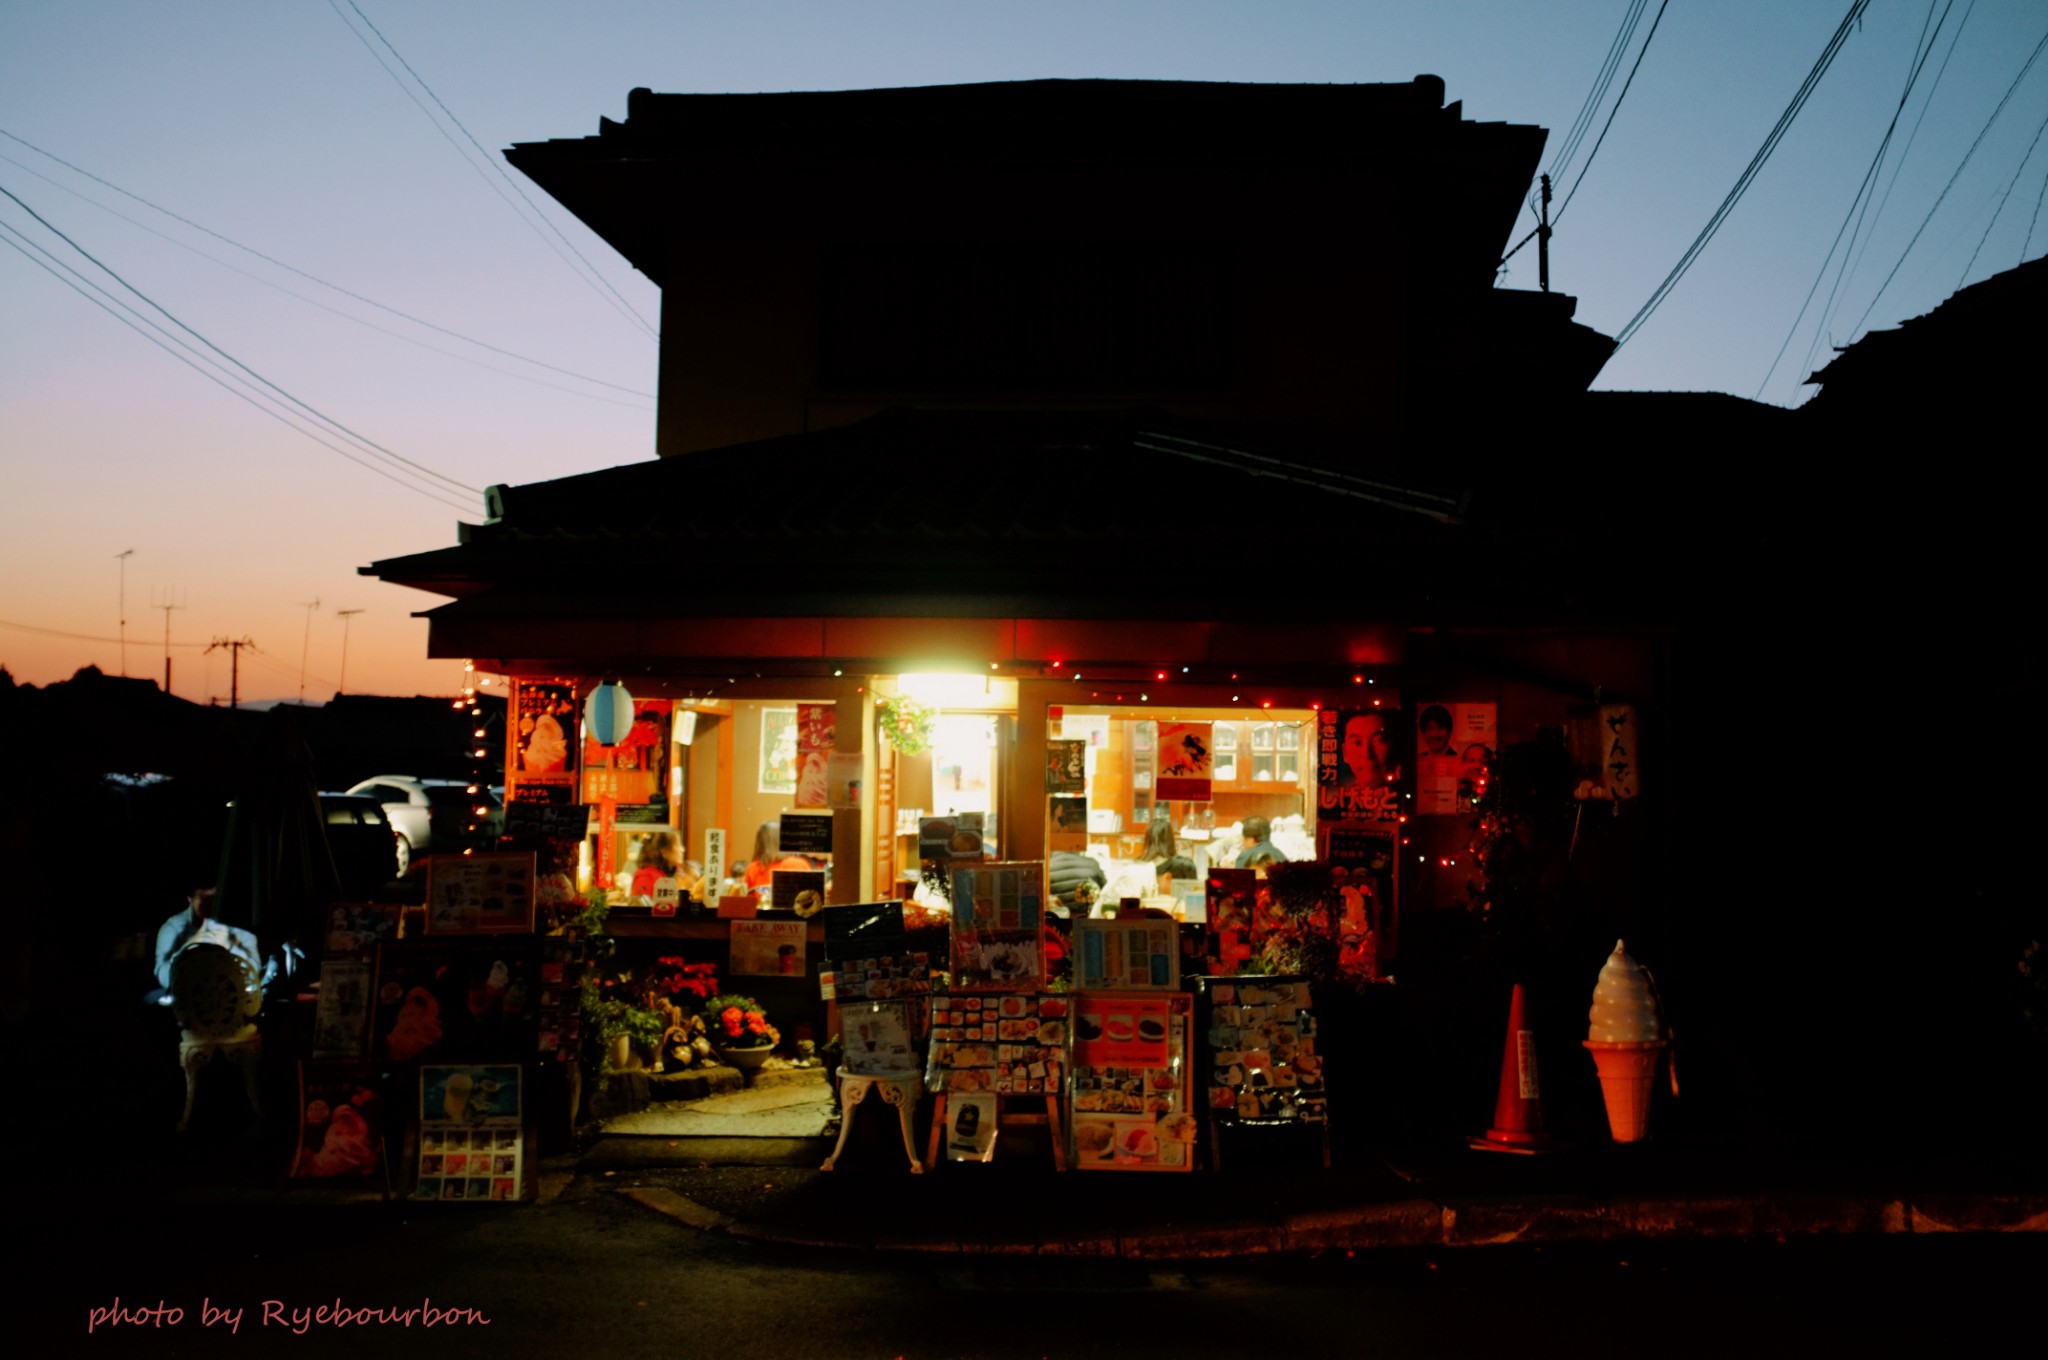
{"x":293,"y":269}
{"x":1602,"y":138}
{"x":1749,"y":173}
{"x":79,"y":637}
{"x":618,"y":302}
{"x":2003,"y":199}
{"x":1923,"y":47}
{"x":360,"y":440}
{"x":136,"y":322}
{"x":1616,"y":47}
{"x":2032,"y":57}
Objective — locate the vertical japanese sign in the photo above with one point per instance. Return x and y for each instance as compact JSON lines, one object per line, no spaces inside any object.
{"x":816,"y":739}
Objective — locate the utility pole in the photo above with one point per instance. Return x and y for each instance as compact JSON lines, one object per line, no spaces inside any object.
{"x":234,"y":667}
{"x":305,"y":647}
{"x":1543,"y":241}
{"x":167,"y":608}
{"x":122,"y":557}
{"x":341,"y":685}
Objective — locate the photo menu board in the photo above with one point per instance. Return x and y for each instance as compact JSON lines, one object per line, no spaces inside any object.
{"x":1000,"y":1045}
{"x":998,"y":931}
{"x":1263,"y":1063}
{"x":1129,"y":1090}
{"x":1126,"y":955}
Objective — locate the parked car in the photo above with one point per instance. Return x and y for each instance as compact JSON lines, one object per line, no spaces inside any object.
{"x":364,"y":843}
{"x":435,"y":815}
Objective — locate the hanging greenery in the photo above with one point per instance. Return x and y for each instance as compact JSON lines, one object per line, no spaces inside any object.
{"x":906,"y":724}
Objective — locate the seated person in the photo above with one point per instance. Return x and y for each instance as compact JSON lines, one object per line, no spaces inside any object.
{"x":1258,"y":842}
{"x":768,"y":857}
{"x":660,"y":858}
{"x":194,"y":926}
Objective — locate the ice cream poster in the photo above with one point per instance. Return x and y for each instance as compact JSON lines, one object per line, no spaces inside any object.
{"x":341,"y":1121}
{"x":1454,"y":746}
{"x":1360,"y":758}
{"x":545,"y":724}
{"x":817,"y":728}
{"x":470,"y":1133}
{"x":1186,"y":760}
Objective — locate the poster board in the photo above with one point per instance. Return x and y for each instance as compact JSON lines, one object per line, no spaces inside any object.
{"x":767,"y":948}
{"x":1125,"y":954}
{"x":341,"y":1017}
{"x":489,"y":892}
{"x":1228,"y":942}
{"x":998,"y":926}
{"x":359,"y":927}
{"x":999,"y":1045}
{"x":880,"y":978}
{"x":471,"y":1133}
{"x":442,"y":999}
{"x":1364,"y":865}
{"x":879,"y":1038}
{"x":1129,"y":1087}
{"x":1260,"y":1052}
{"x":341,"y":1124}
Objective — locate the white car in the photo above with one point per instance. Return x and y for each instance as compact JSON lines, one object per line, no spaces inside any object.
{"x":435,"y":815}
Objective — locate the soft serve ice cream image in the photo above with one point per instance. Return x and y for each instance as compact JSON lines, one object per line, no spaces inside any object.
{"x":1626,"y":1036}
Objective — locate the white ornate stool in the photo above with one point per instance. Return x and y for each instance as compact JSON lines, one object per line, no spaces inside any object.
{"x":215,"y":995}
{"x":900,"y":1089}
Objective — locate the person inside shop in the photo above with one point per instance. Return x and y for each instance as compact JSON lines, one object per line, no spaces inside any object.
{"x":660,"y":858}
{"x":1258,"y":845}
{"x":195,"y":925}
{"x":1158,"y":861}
{"x":768,"y":857}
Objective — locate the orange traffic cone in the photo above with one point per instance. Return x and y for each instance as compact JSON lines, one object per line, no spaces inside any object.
{"x":1518,"y":1110}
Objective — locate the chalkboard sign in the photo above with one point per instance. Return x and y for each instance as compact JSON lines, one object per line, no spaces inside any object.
{"x":806,"y":833}
{"x":863,"y":930}
{"x":564,"y":821}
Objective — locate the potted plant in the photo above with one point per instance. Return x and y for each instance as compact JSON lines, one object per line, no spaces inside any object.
{"x":740,"y":1030}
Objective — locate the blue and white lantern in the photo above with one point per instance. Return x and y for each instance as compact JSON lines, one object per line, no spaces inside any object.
{"x":608,"y":714}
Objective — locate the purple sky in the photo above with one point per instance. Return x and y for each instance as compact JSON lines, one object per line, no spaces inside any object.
{"x":271,"y":122}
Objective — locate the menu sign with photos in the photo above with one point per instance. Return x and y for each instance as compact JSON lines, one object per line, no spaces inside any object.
{"x":1119,"y":954}
{"x":878,"y":1040}
{"x":489,"y":892}
{"x":359,"y":927}
{"x":878,"y":979}
{"x":998,"y":926}
{"x":1261,"y":1052}
{"x":1130,"y":1084}
{"x":1001,"y":1045}
{"x":470,"y":1133}
{"x":949,"y":840}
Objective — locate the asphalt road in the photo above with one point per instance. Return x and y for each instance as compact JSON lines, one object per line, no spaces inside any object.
{"x":593,"y":1273}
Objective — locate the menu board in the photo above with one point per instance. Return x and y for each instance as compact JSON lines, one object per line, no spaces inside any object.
{"x":1130,"y":1084}
{"x":470,"y":1134}
{"x":998,"y":926}
{"x":359,"y":927}
{"x":945,"y":840}
{"x":489,"y":892}
{"x":882,"y":977}
{"x":1261,"y":1052}
{"x":1003,"y":1045}
{"x":341,"y":1017}
{"x":1122,"y":954}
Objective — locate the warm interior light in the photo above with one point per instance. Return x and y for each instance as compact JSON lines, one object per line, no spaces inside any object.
{"x":942,"y":689}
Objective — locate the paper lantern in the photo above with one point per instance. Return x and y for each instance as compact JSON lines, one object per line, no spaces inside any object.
{"x":608,"y":714}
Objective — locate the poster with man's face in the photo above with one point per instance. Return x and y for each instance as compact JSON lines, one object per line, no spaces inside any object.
{"x":1360,"y":761}
{"x":1454,"y":746}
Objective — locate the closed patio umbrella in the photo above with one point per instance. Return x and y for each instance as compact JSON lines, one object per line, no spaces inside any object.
{"x":277,"y":874}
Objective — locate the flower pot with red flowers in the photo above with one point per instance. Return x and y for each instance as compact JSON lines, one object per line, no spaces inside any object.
{"x":740,"y":1031}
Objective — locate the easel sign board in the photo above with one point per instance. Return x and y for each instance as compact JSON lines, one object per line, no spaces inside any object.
{"x":998,"y":928}
{"x":471,"y":1133}
{"x":1127,"y":955}
{"x":487,"y":893}
{"x":1129,"y":1093}
{"x":1262,"y":1058}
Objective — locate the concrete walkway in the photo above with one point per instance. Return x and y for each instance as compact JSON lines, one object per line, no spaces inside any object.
{"x":783,"y":1109}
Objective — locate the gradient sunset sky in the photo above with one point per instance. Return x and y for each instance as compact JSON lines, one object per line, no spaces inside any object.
{"x":294,"y":131}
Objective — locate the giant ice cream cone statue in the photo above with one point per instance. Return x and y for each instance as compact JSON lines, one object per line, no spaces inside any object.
{"x":1626,"y":1038}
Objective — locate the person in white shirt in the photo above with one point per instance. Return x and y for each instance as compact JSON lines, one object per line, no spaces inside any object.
{"x":195,"y":925}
